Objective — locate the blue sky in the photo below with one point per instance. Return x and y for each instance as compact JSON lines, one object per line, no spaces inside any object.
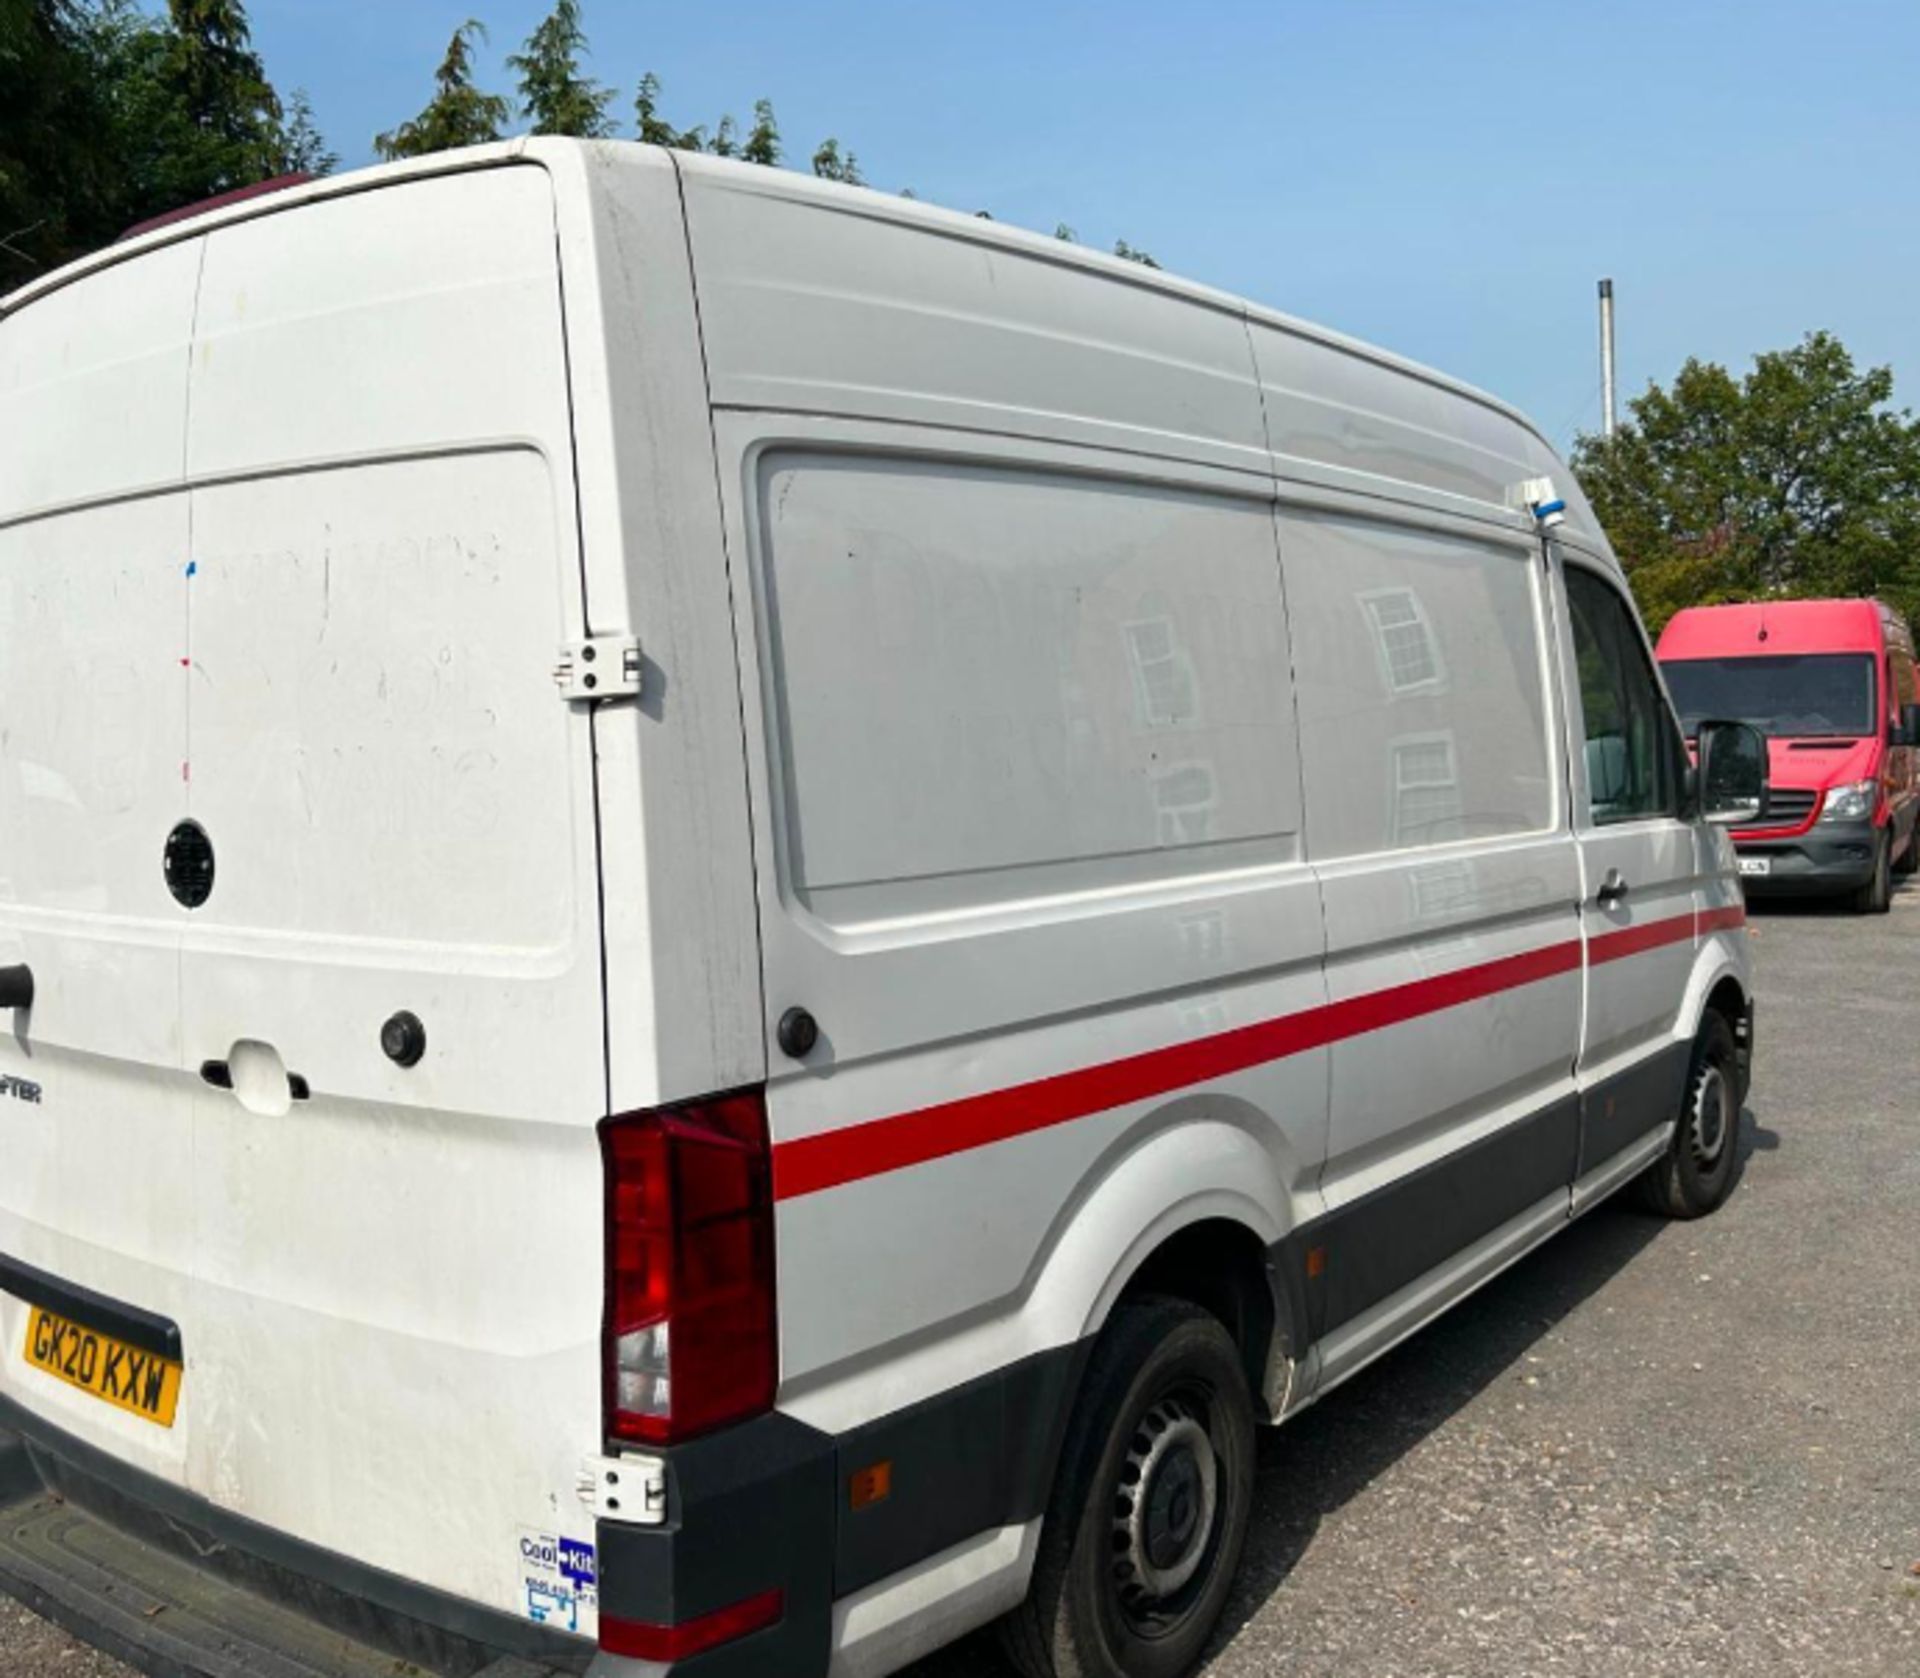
{"x":1444,"y":177}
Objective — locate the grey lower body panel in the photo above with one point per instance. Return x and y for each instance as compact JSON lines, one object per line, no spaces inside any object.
{"x":1377,"y":1245}
{"x":1616,"y":1112}
{"x":178,"y":1588}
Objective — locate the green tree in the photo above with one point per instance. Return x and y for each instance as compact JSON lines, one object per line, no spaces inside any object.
{"x":231,"y":117}
{"x":653,"y":129}
{"x":762,"y":144}
{"x":458,"y":114}
{"x":552,"y":89}
{"x":192,"y":110}
{"x":303,"y":148}
{"x":830,"y":164}
{"x":58,"y":171}
{"x":1133,"y":253}
{"x":1798,"y":479}
{"x":110,"y":114}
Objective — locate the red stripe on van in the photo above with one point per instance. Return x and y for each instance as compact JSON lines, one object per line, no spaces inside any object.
{"x":809,"y":1164}
{"x":1722,"y":920}
{"x":1637,"y":940}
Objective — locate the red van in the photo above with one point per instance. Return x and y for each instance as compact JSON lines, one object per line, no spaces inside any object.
{"x":1831,"y":685}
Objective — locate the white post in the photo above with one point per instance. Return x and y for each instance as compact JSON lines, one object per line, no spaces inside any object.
{"x":1606,"y":356}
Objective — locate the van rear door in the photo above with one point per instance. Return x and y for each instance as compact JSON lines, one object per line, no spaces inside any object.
{"x":96,"y":1143}
{"x":385,"y":1270}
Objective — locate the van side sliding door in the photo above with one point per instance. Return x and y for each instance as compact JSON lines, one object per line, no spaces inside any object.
{"x":1437,"y":824}
{"x":1639,"y":870}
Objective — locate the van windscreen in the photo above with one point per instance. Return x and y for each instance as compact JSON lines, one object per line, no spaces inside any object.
{"x":1797,"y":697}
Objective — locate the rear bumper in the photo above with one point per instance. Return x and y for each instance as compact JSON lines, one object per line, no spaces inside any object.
{"x":173,"y":1584}
{"x":750,"y":1509}
{"x":1829,"y":857}
{"x":168,"y":1582}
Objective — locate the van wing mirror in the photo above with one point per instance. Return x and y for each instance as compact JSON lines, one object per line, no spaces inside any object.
{"x":1732,"y":773}
{"x":1909,"y":726}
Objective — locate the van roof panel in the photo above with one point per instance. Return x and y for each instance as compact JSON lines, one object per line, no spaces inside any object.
{"x":1334,"y":402}
{"x":1771,"y":628}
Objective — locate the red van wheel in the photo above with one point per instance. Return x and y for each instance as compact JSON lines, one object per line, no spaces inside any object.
{"x":1876,"y":895}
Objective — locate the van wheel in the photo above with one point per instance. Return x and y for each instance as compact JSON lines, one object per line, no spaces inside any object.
{"x":1876,"y":895}
{"x":1149,"y":1509}
{"x":1695,"y":1174}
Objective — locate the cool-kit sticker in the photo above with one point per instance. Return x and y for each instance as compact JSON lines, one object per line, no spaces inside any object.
{"x":560,"y":1579}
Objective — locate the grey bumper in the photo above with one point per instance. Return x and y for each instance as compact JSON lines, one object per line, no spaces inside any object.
{"x":1828,"y":857}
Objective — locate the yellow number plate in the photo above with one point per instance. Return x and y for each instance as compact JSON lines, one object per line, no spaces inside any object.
{"x":141,"y":1383}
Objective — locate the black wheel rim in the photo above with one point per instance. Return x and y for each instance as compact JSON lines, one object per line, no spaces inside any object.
{"x":1710,"y":1117}
{"x":1170,"y":1508}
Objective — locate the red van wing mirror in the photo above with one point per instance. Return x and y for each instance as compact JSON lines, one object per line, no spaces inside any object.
{"x":1908,"y":727}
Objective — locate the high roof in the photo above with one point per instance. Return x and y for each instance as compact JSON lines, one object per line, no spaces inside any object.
{"x":1781,"y":627}
{"x":1334,"y":388}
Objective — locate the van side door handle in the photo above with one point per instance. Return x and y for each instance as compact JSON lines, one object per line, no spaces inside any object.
{"x":1612,"y":889}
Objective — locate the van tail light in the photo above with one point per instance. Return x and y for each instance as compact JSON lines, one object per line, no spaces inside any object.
{"x":688,"y":1342}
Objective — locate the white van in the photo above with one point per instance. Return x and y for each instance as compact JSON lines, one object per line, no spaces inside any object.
{"x":732,"y":912}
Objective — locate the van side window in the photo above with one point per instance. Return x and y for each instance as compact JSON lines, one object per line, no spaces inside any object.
{"x":1632,"y":772}
{"x":991,"y":684}
{"x":1417,"y":656}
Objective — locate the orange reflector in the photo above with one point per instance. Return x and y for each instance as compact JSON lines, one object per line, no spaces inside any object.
{"x":870,"y":1485}
{"x":1316,"y":1262}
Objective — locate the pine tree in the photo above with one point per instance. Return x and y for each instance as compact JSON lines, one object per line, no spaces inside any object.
{"x":459,"y":114}
{"x":198,"y":115}
{"x":646,"y":109}
{"x":111,"y":113}
{"x":552,"y":90}
{"x":830,"y":165}
{"x":303,"y":148}
{"x":59,"y":175}
{"x":762,"y":144}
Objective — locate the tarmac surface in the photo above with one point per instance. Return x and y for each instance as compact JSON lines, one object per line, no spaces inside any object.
{"x":1649,"y":1448}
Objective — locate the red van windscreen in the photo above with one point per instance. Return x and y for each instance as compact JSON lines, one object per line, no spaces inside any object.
{"x":1804,"y":696}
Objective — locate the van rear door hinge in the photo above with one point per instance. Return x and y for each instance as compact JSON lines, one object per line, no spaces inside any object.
{"x":625,"y":1488}
{"x":600,"y":667}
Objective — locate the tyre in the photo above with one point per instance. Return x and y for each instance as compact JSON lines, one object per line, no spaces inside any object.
{"x":1695,"y":1174}
{"x":1143,"y":1532}
{"x":1875,"y":897}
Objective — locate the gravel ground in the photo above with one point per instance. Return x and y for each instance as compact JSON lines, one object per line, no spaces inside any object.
{"x":1648,"y":1449}
{"x":30,"y":1648}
